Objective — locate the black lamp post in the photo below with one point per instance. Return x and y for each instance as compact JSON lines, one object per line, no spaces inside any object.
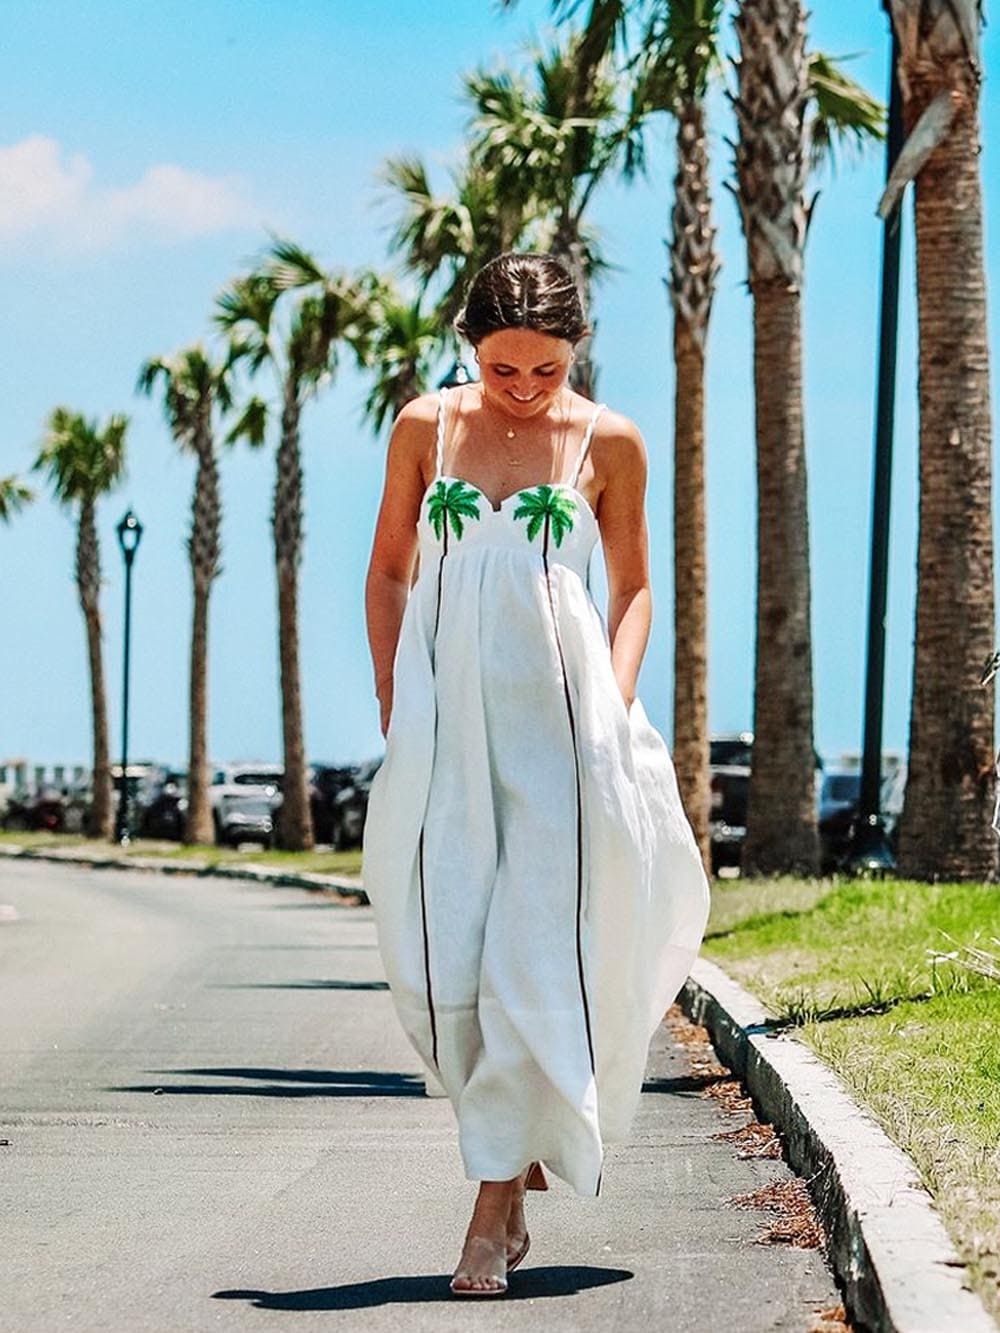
{"x":870,"y":851}
{"x":129,"y":535}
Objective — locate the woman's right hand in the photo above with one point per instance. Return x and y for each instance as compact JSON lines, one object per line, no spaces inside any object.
{"x":385,"y":708}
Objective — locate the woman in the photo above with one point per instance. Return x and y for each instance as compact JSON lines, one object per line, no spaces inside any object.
{"x":537,"y":888}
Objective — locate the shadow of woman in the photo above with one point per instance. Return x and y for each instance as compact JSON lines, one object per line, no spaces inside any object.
{"x":527,"y":1284}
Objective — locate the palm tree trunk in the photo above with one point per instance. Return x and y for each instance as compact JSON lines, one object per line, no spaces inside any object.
{"x":88,"y":582}
{"x":781,"y":815}
{"x":771,"y":171}
{"x":568,"y":249}
{"x":690,"y":750}
{"x":198,"y":826}
{"x":296,"y":829}
{"x":945,"y":827}
{"x":203,"y":549}
{"x":693,"y":268}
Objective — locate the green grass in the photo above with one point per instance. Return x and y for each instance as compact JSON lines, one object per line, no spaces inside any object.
{"x":851,"y":966}
{"x":322,"y":862}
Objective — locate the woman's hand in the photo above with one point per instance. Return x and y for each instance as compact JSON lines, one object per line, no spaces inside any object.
{"x":384,"y":694}
{"x":627,"y":693}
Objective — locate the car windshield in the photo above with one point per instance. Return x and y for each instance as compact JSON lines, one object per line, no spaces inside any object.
{"x":256,"y":779}
{"x":842,"y":786}
{"x":736,"y":752}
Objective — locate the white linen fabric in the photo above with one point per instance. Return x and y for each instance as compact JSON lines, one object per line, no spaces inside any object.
{"x":537,"y":889}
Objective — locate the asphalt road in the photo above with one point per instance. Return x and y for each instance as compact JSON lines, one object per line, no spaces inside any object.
{"x":213,"y":1122}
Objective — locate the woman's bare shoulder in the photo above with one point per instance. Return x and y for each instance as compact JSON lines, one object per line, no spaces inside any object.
{"x":419,"y":411}
{"x":617,"y":444}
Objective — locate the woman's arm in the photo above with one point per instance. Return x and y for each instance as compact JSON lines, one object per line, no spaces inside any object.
{"x":621,"y":514}
{"x":394,"y":546}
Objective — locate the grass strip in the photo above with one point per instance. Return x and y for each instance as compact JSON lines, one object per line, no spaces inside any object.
{"x":322,"y":862}
{"x":855,"y":967}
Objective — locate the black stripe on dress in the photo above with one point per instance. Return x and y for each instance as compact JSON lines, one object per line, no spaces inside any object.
{"x":420,"y":846}
{"x":579,"y":799}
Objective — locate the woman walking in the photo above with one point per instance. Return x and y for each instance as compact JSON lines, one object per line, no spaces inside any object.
{"x":537,"y":889}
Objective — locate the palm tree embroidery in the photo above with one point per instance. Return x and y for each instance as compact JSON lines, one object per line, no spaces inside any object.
{"x":549,"y":507}
{"x":452,"y":501}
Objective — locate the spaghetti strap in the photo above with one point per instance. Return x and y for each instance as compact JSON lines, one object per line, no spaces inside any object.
{"x":588,"y":436}
{"x":439,"y":448}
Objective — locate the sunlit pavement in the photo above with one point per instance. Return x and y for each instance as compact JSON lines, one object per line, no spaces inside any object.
{"x":212,"y":1121}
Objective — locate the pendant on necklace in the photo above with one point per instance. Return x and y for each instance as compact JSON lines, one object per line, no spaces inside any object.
{"x":510,"y":433}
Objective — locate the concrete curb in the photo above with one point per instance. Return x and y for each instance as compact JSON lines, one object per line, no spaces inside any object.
{"x":342,"y":885}
{"x":898,"y":1268}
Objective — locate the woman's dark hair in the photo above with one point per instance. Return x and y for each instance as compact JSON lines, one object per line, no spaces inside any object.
{"x":522,"y":291}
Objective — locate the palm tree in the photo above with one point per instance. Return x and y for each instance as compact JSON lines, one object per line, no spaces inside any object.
{"x":445,"y":239}
{"x":193,"y":388}
{"x":776,"y":136}
{"x":405,"y":344}
{"x":14,"y":495}
{"x":327,"y":309}
{"x":84,"y":462}
{"x":945,"y":826}
{"x":548,"y":143}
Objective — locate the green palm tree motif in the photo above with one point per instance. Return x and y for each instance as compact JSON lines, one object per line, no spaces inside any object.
{"x":546,"y":505}
{"x":453,"y":500}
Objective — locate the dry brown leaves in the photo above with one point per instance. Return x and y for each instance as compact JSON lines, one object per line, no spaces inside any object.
{"x":796,"y":1223}
{"x":833,"y":1320}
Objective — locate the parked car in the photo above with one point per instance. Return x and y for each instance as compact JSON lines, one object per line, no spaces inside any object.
{"x":840,"y":804}
{"x":730,"y":760}
{"x":165,"y":813}
{"x":245,"y":800}
{"x":729,"y":779}
{"x":350,"y":806}
{"x":44,"y":810}
{"x":244,"y":814}
{"x":326,"y":782}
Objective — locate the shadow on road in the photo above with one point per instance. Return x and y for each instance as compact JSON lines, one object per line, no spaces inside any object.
{"x":684,"y":1085}
{"x":285,"y":1083}
{"x":300,"y":985}
{"x":529,"y":1284}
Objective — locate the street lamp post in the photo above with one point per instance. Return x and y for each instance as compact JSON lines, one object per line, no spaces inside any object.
{"x":129,"y":535}
{"x":870,"y":851}
{"x":456,"y":376}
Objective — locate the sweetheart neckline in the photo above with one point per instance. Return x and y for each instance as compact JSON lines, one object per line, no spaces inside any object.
{"x":562,"y":485}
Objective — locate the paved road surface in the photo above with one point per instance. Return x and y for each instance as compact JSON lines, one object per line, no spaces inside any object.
{"x":214,"y":1123}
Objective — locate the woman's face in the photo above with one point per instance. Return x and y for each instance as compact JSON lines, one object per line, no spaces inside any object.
{"x":522,"y":371}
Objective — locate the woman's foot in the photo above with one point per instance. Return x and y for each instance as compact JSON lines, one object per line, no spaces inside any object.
{"x":482,"y":1269}
{"x":517,"y":1227}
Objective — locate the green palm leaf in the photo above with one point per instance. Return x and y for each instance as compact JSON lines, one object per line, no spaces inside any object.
{"x":452,"y":501}
{"x":546,"y":502}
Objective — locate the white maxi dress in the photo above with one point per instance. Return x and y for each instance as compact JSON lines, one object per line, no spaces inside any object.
{"x":537,"y":889}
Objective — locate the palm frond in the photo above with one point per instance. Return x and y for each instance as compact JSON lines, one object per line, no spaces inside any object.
{"x":246,"y":306}
{"x":14,"y":495}
{"x":80,"y":459}
{"x":844,"y":114}
{"x":289,"y":266}
{"x":251,"y":424}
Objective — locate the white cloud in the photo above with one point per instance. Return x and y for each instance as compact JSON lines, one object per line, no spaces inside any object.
{"x":45,"y":193}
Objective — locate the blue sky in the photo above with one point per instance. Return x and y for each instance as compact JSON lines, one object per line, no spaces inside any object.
{"x":145,"y":151}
